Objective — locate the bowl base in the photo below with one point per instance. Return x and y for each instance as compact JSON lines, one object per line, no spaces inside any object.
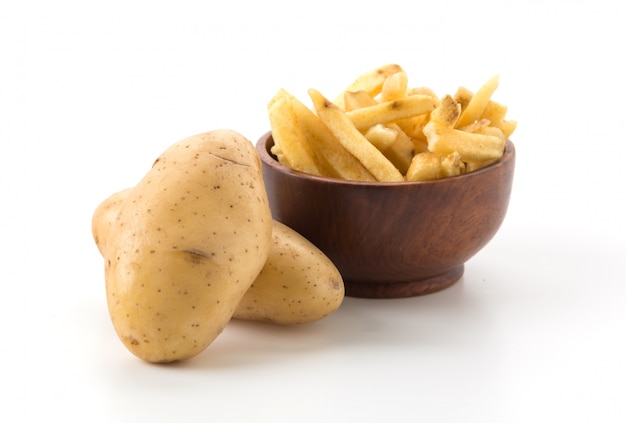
{"x":403,"y":289}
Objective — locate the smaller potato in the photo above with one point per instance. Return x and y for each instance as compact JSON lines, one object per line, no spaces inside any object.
{"x":298,"y":284}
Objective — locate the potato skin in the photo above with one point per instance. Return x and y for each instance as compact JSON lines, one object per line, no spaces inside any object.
{"x":103,"y":217}
{"x":298,"y":284}
{"x":171,"y":288}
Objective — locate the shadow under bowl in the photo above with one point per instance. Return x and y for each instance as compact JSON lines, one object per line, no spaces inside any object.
{"x":392,"y":240}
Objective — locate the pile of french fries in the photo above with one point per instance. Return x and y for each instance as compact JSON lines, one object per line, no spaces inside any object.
{"x":381,"y":130}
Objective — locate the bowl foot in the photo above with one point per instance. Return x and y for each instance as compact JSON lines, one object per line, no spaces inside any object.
{"x":403,"y":289}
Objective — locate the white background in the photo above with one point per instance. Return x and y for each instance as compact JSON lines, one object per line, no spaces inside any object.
{"x":535,"y":330}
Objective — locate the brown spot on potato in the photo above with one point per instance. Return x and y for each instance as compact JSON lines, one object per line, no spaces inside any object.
{"x":196,"y":256}
{"x":131,"y":341}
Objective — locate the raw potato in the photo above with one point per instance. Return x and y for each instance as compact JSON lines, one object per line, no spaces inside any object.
{"x":298,"y":283}
{"x":104,"y":216}
{"x":171,"y":288}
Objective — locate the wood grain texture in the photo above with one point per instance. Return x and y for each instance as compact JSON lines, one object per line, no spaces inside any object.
{"x":392,"y":240}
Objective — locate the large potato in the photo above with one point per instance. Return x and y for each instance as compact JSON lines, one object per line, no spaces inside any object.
{"x":104,"y":216}
{"x":187,"y":244}
{"x":298,"y":283}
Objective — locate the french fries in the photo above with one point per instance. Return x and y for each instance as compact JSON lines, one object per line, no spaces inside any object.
{"x":382,"y":129}
{"x":478,"y":102}
{"x":323,"y":151}
{"x":391,"y":111}
{"x":292,"y":145}
{"x":349,"y":136}
{"x":370,"y":82}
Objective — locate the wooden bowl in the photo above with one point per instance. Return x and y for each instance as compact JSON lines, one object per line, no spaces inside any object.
{"x":392,"y":240}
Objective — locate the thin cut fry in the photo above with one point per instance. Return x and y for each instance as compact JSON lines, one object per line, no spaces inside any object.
{"x":349,"y":136}
{"x":394,"y":87}
{"x":286,"y":132}
{"x":391,"y":111}
{"x":371,"y":82}
{"x":472,"y":146}
{"x":447,"y":113}
{"x":463,"y":97}
{"x":496,"y":113}
{"x":332,"y":159}
{"x":424,"y":166}
{"x":451,"y":165}
{"x":478,"y":102}
{"x":401,"y":152}
{"x":381,"y":136}
{"x":476,"y":126}
{"x":357,"y":99}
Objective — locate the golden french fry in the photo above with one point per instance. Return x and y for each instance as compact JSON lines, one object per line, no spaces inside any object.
{"x":288,"y":135}
{"x":394,"y":87}
{"x":390,"y":111}
{"x":478,"y":102}
{"x":447,"y":113}
{"x":371,"y":82}
{"x":381,"y":136}
{"x":491,"y":131}
{"x":463,"y":97}
{"x":477,"y":147}
{"x":472,"y":166}
{"x":349,"y":136}
{"x":401,"y":151}
{"x":451,"y":165}
{"x":507,"y":127}
{"x":474,"y":127}
{"x":420,"y":145}
{"x":413,"y":127}
{"x":424,"y":166}
{"x":357,"y":99}
{"x":332,"y":158}
{"x":340,"y":162}
{"x":421,"y":91}
{"x":496,"y":113}
{"x":278,"y":152}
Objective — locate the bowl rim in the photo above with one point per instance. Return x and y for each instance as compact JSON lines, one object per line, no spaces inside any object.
{"x":271,"y":160}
